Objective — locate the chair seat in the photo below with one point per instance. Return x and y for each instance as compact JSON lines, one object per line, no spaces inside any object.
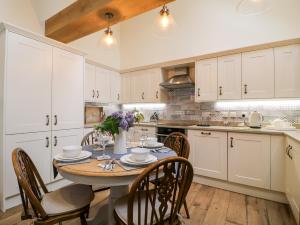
{"x":67,"y":199}
{"x":122,"y":204}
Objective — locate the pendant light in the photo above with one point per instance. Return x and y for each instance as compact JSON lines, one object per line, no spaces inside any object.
{"x":164,"y":17}
{"x":108,"y":37}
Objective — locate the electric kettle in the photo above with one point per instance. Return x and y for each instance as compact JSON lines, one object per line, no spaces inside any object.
{"x":255,"y":119}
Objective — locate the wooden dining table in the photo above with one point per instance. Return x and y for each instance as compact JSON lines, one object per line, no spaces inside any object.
{"x":118,"y":179}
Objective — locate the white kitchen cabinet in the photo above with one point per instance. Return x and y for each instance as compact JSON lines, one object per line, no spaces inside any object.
{"x":89,"y":83}
{"x":209,"y":153}
{"x":140,"y":86}
{"x":115,"y":84}
{"x":258,"y":74}
{"x":292,"y":176}
{"x":287,"y":71}
{"x":277,"y":163}
{"x":126,"y":88}
{"x":28,"y":85}
{"x":64,"y":138}
{"x":38,"y":147}
{"x":103,"y":85}
{"x":230,"y":77}
{"x":249,"y":159}
{"x":206,"y":80}
{"x":156,"y":93}
{"x":67,"y":90}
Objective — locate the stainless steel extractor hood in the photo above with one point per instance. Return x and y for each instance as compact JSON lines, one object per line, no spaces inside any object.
{"x":181,"y":79}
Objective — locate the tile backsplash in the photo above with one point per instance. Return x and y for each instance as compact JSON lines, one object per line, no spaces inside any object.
{"x":181,"y":106}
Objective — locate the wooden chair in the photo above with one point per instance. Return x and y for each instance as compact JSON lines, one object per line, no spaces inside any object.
{"x":160,"y":204}
{"x":49,"y":207}
{"x":180,"y":144}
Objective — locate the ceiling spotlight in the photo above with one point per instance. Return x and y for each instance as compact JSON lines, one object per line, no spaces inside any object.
{"x":164,"y":17}
{"x":108,"y":38}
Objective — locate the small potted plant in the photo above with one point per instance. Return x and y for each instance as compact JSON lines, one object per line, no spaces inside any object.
{"x":117,"y":124}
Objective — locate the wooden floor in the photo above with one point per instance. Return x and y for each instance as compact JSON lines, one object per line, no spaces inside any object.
{"x":208,"y":206}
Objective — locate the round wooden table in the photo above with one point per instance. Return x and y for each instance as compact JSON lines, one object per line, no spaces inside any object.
{"x":91,"y":174}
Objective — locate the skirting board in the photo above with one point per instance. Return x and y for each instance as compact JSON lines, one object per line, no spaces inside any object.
{"x":16,"y":200}
{"x":243,"y":189}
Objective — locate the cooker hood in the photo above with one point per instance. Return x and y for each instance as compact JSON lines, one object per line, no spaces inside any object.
{"x":181,"y":79}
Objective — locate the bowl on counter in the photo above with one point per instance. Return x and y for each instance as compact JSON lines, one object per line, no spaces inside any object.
{"x":71,"y":151}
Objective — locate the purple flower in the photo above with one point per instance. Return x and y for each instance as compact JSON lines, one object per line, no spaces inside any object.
{"x":117,"y":115}
{"x":129,"y":117}
{"x":124,"y":124}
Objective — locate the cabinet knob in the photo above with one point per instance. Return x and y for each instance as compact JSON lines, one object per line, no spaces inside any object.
{"x":245,"y":89}
{"x":198,"y":92}
{"x":47,"y":120}
{"x":231,"y":142}
{"x":206,"y":133}
{"x":156,"y":94}
{"x":47,"y":142}
{"x":288,"y":152}
{"x":220,"y":90}
{"x":143,"y":95}
{"x":55,"y":120}
{"x":55,"y":141}
{"x":118,"y":97}
{"x":97,"y":93}
{"x":93,"y":93}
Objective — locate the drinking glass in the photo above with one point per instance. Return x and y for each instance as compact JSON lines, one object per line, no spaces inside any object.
{"x":143,"y":138}
{"x":103,"y":140}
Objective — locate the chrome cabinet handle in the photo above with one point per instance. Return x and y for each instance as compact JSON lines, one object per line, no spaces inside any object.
{"x":198,"y":92}
{"x":144,"y":129}
{"x":220,"y":90}
{"x":93,"y":93}
{"x":97,"y":93}
{"x":288,"y":152}
{"x":47,"y":142}
{"x":231,"y":142}
{"x":245,"y":89}
{"x":55,"y":141}
{"x":55,"y":120}
{"x":156,"y":95}
{"x":206,"y":133}
{"x":143,"y":95}
{"x":47,"y":120}
{"x":118,"y":98}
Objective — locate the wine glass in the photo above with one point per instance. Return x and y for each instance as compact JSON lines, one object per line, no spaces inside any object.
{"x":103,"y":140}
{"x":143,"y":138}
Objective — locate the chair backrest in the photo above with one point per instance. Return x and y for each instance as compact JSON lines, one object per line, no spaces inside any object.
{"x":30,"y":182}
{"x":163,"y":202}
{"x":179,"y":143}
{"x":89,"y":139}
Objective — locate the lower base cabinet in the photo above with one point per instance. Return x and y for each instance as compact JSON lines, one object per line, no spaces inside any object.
{"x":249,"y":159}
{"x":209,"y":153}
{"x":292,"y":177}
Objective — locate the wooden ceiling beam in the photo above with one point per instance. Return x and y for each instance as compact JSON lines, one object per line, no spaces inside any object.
{"x":85,"y":17}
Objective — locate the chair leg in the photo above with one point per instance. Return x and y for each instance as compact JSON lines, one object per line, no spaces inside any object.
{"x":186,"y":209}
{"x":83,"y":220}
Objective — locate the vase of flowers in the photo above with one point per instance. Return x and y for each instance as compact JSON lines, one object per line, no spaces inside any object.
{"x":117,"y":124}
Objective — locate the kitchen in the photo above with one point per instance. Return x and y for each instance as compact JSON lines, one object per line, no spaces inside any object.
{"x":224,"y":74}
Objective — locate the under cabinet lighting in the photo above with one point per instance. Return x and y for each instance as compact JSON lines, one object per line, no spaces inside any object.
{"x":153,"y":106}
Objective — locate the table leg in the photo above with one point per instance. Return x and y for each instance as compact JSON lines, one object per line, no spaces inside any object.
{"x":104,"y":215}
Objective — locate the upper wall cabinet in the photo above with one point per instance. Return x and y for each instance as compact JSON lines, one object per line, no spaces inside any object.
{"x":287,"y":71}
{"x":28,"y":85}
{"x":142,"y":86}
{"x":206,"y":80}
{"x":258,"y":74}
{"x":101,"y":85}
{"x":229,"y":77}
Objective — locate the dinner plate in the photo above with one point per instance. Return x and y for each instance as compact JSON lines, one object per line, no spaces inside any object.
{"x":128,"y":160}
{"x":156,"y":145}
{"x":82,"y":155}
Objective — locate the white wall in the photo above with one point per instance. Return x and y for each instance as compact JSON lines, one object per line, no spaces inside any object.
{"x":92,"y":44}
{"x":20,"y":13}
{"x":205,"y":26}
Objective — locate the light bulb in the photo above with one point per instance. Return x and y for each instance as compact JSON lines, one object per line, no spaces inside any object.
{"x":109,"y":40}
{"x":164,"y":17}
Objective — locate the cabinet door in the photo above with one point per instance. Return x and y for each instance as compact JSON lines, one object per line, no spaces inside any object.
{"x":287,"y":71}
{"x":206,"y":80}
{"x":126,"y":88}
{"x":292,"y":177}
{"x":28,"y":85}
{"x":64,"y":138}
{"x":155,"y":91}
{"x":249,"y":159}
{"x":140,"y":80}
{"x":115,"y":84}
{"x":89,"y":83}
{"x":229,"y":77}
{"x":258,"y":74}
{"x":209,"y":153}
{"x":38,"y":147}
{"x":102,"y":85}
{"x":67,"y":90}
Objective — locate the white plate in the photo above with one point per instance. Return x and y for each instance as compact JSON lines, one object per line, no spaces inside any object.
{"x":127,"y":160}
{"x":156,"y":145}
{"x":130,"y":158}
{"x":83,"y":155}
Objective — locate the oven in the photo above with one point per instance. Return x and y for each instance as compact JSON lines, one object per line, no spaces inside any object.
{"x":163,"y":132}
